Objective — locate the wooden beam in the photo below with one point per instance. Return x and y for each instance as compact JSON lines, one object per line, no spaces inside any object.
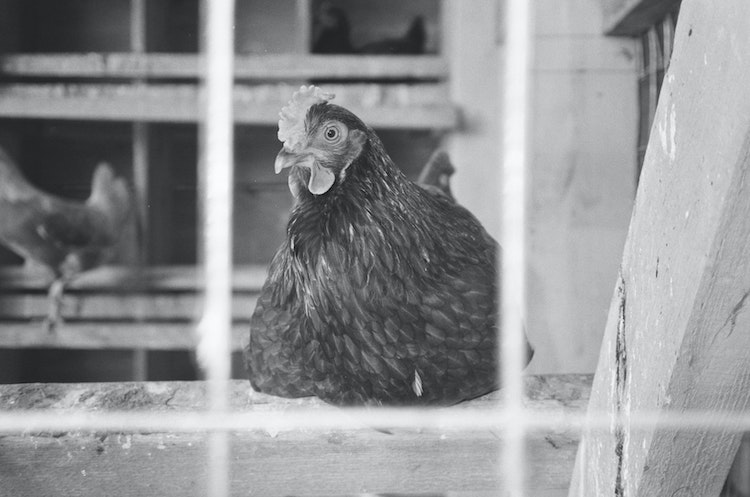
{"x":677,"y":336}
{"x":397,"y":106}
{"x":135,"y":306}
{"x":114,"y":279}
{"x":250,"y":67}
{"x":297,"y":462}
{"x":117,"y":307}
{"x":98,"y":335}
{"x":634,"y":17}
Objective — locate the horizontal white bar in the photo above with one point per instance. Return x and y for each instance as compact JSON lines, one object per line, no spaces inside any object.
{"x":357,"y":418}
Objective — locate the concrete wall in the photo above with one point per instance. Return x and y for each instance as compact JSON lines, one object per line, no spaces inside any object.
{"x":583,"y":163}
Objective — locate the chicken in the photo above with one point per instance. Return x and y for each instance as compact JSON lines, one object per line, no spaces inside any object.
{"x":66,"y":236}
{"x":384,"y":292}
{"x":332,"y":35}
{"x":331,"y":31}
{"x":411,"y":43}
{"x":436,"y":174}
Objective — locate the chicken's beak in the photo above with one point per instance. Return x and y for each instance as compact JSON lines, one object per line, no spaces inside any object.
{"x":286,"y":159}
{"x":321,"y":178}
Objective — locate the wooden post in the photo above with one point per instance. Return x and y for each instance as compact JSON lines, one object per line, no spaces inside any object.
{"x":678,"y":334}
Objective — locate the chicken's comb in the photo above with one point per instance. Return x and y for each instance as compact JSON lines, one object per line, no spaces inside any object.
{"x":292,"y":122}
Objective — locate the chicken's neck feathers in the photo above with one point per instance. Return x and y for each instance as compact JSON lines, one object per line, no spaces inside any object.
{"x":376,"y":229}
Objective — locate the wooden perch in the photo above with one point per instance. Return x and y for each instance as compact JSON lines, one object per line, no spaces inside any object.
{"x":259,"y":67}
{"x":118,"y":307}
{"x":399,"y":106}
{"x":678,"y":334}
{"x":297,"y":462}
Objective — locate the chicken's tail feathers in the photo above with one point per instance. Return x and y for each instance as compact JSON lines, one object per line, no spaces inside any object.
{"x":437,"y":172}
{"x":110,"y":194}
{"x":13,"y":184}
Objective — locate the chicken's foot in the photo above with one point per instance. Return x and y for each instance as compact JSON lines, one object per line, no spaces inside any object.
{"x":55,"y":296}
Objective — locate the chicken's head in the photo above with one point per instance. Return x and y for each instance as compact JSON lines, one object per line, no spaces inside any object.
{"x":322,"y":138}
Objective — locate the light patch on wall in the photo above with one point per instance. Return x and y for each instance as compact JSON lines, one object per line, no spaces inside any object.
{"x":667,"y":132}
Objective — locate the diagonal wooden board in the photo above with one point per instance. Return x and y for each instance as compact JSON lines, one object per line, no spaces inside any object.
{"x":678,"y":334}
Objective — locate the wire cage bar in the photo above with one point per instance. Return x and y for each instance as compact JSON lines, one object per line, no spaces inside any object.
{"x":217,"y":178}
{"x":515,"y":92}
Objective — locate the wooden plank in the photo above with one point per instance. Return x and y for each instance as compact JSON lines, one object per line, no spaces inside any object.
{"x":296,"y":462}
{"x":397,"y":106}
{"x":97,"y":335}
{"x":633,"y":17}
{"x":156,"y":306}
{"x":249,"y":67}
{"x":116,"y":307}
{"x":246,"y":278}
{"x":676,"y":339}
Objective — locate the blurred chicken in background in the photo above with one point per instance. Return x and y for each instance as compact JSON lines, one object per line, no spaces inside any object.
{"x":66,"y":236}
{"x":331,"y":31}
{"x":411,"y":43}
{"x":332,"y":35}
{"x":436,"y":174}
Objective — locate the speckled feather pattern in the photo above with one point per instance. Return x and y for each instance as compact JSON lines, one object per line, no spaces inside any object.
{"x":383,"y":293}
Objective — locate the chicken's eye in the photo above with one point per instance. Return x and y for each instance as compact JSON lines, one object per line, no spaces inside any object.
{"x":332,"y":133}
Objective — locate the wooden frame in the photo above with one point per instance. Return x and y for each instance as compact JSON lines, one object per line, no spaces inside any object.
{"x":676,"y":340}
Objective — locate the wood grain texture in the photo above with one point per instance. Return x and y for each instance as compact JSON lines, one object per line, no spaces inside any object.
{"x":676,"y":339}
{"x":294,"y":462}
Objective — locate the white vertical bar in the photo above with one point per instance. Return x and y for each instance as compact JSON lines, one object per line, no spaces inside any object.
{"x":140,"y":170}
{"x":516,"y":82}
{"x":217,"y":179}
{"x":304,"y":26}
{"x":138,"y":26}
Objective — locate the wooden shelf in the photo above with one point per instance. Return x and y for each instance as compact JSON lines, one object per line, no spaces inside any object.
{"x":100,"y":335}
{"x":119,"y":308}
{"x":126,"y":307}
{"x":119,"y":279}
{"x":254,"y":67}
{"x":152,"y":461}
{"x":398,"y":106}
